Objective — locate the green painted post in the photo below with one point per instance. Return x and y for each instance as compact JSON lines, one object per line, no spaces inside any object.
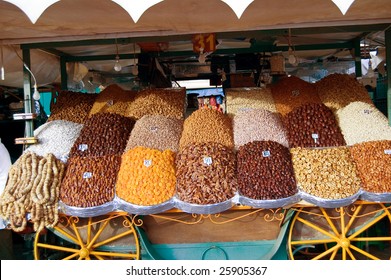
{"x":388,"y":63}
{"x":64,"y":75}
{"x":357,"y":55}
{"x":29,"y":130}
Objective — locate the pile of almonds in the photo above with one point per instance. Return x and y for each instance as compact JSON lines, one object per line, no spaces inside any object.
{"x":72,"y":106}
{"x":90,"y":181}
{"x":326,"y":173}
{"x":339,"y":90}
{"x":313,"y":125}
{"x":265,"y":171}
{"x":207,"y":125}
{"x":206,"y":173}
{"x":103,"y":134}
{"x":373,"y":160}
{"x":292,"y":92}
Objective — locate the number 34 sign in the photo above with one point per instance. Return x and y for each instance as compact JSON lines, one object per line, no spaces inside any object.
{"x":204,"y":42}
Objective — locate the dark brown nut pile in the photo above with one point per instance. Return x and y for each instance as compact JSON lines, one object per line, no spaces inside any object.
{"x":373,"y":160}
{"x":258,"y":125}
{"x":113,"y":99}
{"x":170,"y":102}
{"x":207,"y":125}
{"x":313,"y":125}
{"x":103,"y":134}
{"x":72,"y":106}
{"x":292,"y":92}
{"x":156,"y":132}
{"x":265,"y":171}
{"x":241,"y":99}
{"x":206,"y":174}
{"x":90,"y":181}
{"x":326,"y":173}
{"x":338,"y":90}
{"x":32,"y":187}
{"x":363,"y":122}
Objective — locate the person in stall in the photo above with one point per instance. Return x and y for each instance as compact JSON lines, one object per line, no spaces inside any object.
{"x":6,"y":243}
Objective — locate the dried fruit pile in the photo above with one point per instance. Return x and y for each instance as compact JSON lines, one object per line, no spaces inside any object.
{"x":146,"y":176}
{"x":265,"y":171}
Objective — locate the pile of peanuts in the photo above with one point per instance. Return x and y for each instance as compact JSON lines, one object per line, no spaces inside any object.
{"x":240,"y":99}
{"x":90,"y":181}
{"x":292,"y":92}
{"x":170,"y":102}
{"x":362,"y":122}
{"x":339,"y":90}
{"x":147,"y":176}
{"x":72,"y":106}
{"x":265,"y":171}
{"x":373,"y":160}
{"x":113,"y":99}
{"x":32,"y":187}
{"x":156,"y":132}
{"x":55,"y":137}
{"x":258,"y":125}
{"x":313,"y":125}
{"x":103,"y":134}
{"x":206,"y":173}
{"x":326,"y":173}
{"x":207,"y":125}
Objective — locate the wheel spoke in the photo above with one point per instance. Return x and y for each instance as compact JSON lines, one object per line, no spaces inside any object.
{"x":76,"y":231}
{"x":332,"y":257}
{"x":350,"y":254}
{"x":364,"y":252}
{"x":325,"y":253}
{"x":111,"y":254}
{"x":331,"y":224}
{"x":368,"y":225}
{"x":111,"y":239}
{"x":71,"y":256}
{"x":369,"y":239}
{"x":58,"y":248}
{"x":312,"y":241}
{"x":103,"y":226}
{"x":352,"y":219}
{"x":318,"y":229}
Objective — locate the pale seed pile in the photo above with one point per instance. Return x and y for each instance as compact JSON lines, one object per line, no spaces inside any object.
{"x":72,"y":106}
{"x":242,"y":99}
{"x":258,"y":125}
{"x":362,"y":122}
{"x":339,"y":90}
{"x":206,"y":173}
{"x":207,"y":125}
{"x":56,"y":137}
{"x":292,"y":92}
{"x":326,"y":173}
{"x":33,"y":187}
{"x":373,"y":160}
{"x":156,"y":132}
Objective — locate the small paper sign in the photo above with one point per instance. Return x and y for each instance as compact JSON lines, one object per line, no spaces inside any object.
{"x":208,"y":160}
{"x":295,"y":92}
{"x":147,"y":162}
{"x":315,"y":136}
{"x":387,"y":152}
{"x":83,"y":147}
{"x":154,"y":128}
{"x":110,"y":103}
{"x":367,"y":111}
{"x":87,"y":175}
{"x":266,"y":153}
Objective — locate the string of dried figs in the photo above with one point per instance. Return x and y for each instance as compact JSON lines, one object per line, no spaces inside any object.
{"x":241,"y":99}
{"x":156,"y":132}
{"x":313,"y":125}
{"x":339,"y":90}
{"x":90,"y":181}
{"x":33,"y":183}
{"x":363,"y":122}
{"x":206,"y":173}
{"x":258,"y":125}
{"x":207,"y":125}
{"x":292,"y":92}
{"x":326,"y":173}
{"x":169,"y":102}
{"x":72,"y":106}
{"x":373,"y":160}
{"x":103,"y":134}
{"x":113,"y":99}
{"x":265,"y":171}
{"x":147,"y":176}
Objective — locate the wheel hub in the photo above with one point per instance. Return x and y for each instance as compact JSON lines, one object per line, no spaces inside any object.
{"x":84,"y":253}
{"x":345,"y":243}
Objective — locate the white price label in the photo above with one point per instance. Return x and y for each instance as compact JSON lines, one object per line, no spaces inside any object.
{"x":387,"y":152}
{"x":110,"y":103}
{"x":83,"y":147}
{"x":154,"y":128}
{"x":266,"y":153}
{"x":208,"y":160}
{"x":87,"y":175}
{"x":367,"y":111}
{"x":147,"y":162}
{"x":315,"y":136}
{"x":295,"y":92}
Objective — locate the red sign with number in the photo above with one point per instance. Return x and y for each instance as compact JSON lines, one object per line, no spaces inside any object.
{"x":204,"y":42}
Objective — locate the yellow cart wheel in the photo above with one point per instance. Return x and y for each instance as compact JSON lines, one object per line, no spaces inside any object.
{"x":105,"y":237}
{"x":358,"y":231}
